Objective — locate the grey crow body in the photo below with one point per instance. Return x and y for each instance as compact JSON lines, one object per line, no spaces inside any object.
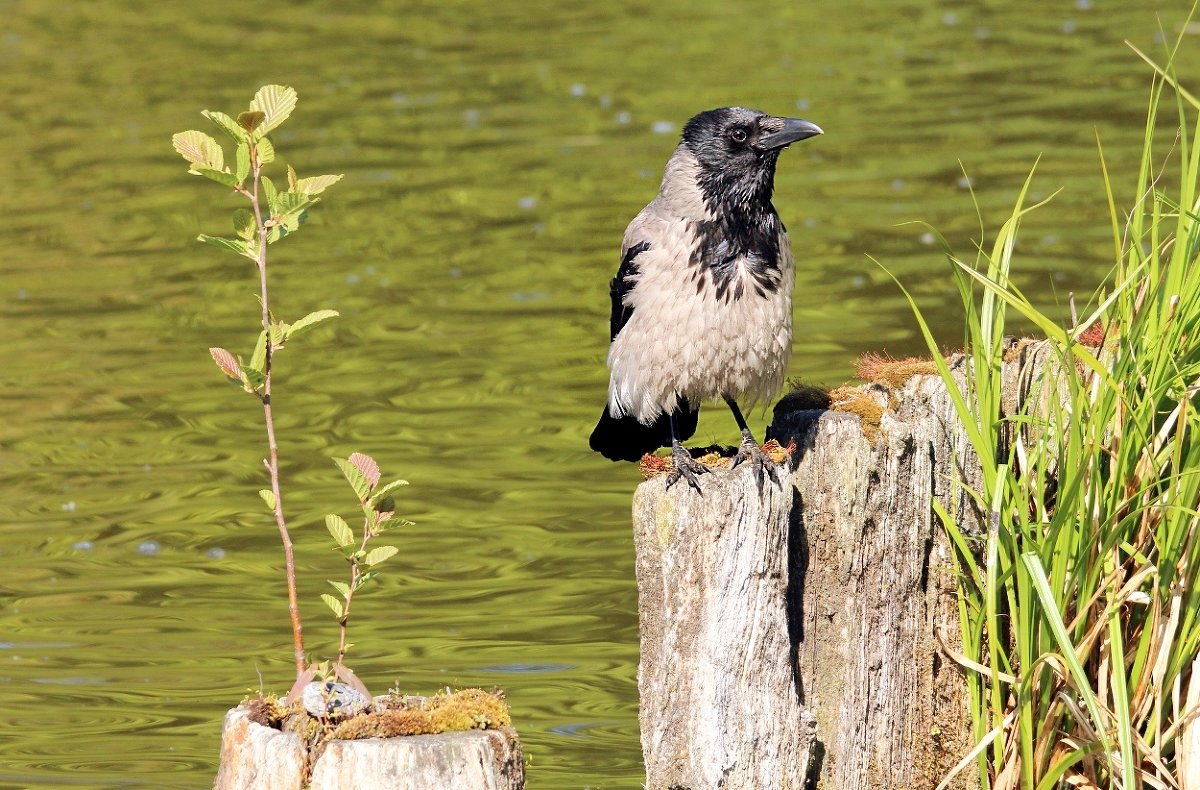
{"x":702,"y":302}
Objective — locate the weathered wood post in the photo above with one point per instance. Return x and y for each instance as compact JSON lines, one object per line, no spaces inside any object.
{"x":717,"y":682}
{"x":798,"y":631}
{"x":258,"y":757}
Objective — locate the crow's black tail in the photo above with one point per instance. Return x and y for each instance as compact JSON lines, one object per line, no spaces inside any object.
{"x":626,"y":439}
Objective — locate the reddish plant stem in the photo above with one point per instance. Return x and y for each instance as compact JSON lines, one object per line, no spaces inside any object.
{"x":272,"y":462}
{"x":355,"y":575}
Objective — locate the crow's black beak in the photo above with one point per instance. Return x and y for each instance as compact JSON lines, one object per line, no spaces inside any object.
{"x":781,"y":132}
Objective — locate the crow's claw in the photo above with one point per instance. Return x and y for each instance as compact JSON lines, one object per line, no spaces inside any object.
{"x":761,"y":463}
{"x":684,"y":466}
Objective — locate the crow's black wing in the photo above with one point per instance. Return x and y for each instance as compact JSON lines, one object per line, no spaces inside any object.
{"x":622,"y":284}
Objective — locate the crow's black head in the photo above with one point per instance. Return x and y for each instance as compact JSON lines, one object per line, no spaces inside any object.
{"x":736,"y":150}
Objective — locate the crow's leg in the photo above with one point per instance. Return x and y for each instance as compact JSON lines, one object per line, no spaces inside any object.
{"x":682,"y":463}
{"x":750,"y":450}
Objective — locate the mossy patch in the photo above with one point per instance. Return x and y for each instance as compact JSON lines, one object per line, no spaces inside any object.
{"x":853,"y":400}
{"x":389,"y":716}
{"x":467,"y":709}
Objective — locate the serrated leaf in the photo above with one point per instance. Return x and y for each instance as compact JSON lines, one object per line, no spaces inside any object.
{"x":266,"y":151}
{"x":379,"y":554}
{"x":290,"y":203}
{"x":339,"y":529}
{"x":227,"y":124}
{"x":316,"y":184}
{"x":334,"y":604}
{"x":276,"y":103}
{"x":255,"y":378}
{"x":290,"y":223}
{"x":227,"y":363}
{"x":243,"y":162}
{"x":366,"y":577}
{"x":267,"y":496}
{"x":341,"y":587}
{"x":385,"y":490}
{"x":243,"y":223}
{"x":251,"y":119}
{"x":310,"y":320}
{"x":279,"y":330}
{"x":258,"y":358}
{"x":355,"y":477}
{"x":366,"y":464}
{"x":236,"y":246}
{"x":199,"y":149}
{"x":269,"y":191}
{"x":392,"y":522}
{"x":220,"y":176}
{"x":291,"y":178}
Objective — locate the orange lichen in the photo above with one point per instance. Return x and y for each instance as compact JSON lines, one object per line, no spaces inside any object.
{"x":884,"y":369}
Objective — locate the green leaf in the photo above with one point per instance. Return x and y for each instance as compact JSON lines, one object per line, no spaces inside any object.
{"x":366,"y":577}
{"x":310,"y":320}
{"x":339,"y":529}
{"x":258,"y":358}
{"x":199,"y":149}
{"x":220,"y":176}
{"x":334,"y":604}
{"x":290,"y":203}
{"x":251,"y":119}
{"x":227,"y":124}
{"x":387,"y":489}
{"x":276,"y":102}
{"x":243,"y":223}
{"x":355,"y":477}
{"x":266,"y":151}
{"x":235,"y":246}
{"x":278,"y":333}
{"x":243,"y":161}
{"x":379,"y":554}
{"x":255,"y":378}
{"x":269,"y":191}
{"x":341,"y":587}
{"x":315,"y":185}
{"x":268,"y":497}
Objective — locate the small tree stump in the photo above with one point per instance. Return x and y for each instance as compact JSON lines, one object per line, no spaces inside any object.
{"x":719,"y":701}
{"x":255,"y":757}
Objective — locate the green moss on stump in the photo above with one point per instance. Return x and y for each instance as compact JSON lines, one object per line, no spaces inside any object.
{"x":391,"y":716}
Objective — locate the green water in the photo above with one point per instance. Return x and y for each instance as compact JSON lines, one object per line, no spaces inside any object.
{"x":494,"y":153}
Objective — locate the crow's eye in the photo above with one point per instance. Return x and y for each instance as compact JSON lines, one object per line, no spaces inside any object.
{"x":738,"y":135}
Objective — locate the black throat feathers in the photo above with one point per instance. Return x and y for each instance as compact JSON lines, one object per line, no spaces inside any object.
{"x":742,"y":236}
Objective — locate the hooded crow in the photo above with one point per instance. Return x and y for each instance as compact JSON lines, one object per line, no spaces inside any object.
{"x":702,"y":302}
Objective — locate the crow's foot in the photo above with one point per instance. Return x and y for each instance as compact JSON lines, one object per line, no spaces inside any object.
{"x":683,"y":465}
{"x":759,"y":461}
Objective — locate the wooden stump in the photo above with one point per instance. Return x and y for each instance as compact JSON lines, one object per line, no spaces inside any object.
{"x":875,"y":589}
{"x":255,"y":757}
{"x":718,"y":687}
{"x":823,"y":600}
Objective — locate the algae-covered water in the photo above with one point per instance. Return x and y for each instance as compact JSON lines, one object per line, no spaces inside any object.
{"x":493,"y":153}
